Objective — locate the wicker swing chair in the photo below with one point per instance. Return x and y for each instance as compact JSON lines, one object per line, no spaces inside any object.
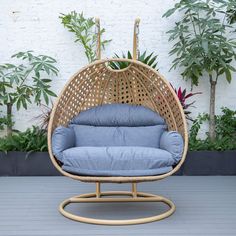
{"x":98,"y":84}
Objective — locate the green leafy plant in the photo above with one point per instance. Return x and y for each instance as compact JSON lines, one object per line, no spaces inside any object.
{"x":27,"y":82}
{"x":231,"y":10}
{"x":225,"y":132}
{"x":149,"y":59}
{"x":31,"y":140}
{"x":5,"y":121}
{"x":202,"y":46}
{"x":84,"y":30}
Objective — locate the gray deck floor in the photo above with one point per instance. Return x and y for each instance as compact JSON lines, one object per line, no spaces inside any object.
{"x":205,"y":206}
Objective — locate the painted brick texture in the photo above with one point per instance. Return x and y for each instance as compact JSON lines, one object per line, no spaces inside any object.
{"x":34,"y":25}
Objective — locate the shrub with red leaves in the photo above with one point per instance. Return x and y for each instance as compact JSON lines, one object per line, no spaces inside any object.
{"x":183,"y":96}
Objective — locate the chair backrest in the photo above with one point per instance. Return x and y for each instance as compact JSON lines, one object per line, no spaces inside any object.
{"x":118,"y":125}
{"x":118,"y":115}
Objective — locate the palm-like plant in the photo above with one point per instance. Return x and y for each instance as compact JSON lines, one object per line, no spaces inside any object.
{"x":150,"y":60}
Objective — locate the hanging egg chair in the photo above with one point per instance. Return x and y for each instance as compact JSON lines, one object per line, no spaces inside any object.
{"x":98,"y":87}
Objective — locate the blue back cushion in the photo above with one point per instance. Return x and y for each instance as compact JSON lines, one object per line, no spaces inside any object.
{"x":144,"y":136}
{"x":118,"y":115}
{"x":111,"y":125}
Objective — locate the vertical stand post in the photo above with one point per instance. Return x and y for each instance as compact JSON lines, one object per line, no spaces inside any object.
{"x":134,"y":189}
{"x":98,"y":190}
{"x":97,"y":32}
{"x":136,"y":39}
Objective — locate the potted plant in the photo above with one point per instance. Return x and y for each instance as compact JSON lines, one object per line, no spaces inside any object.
{"x":24,"y":153}
{"x":216,"y":157}
{"x":204,"y":50}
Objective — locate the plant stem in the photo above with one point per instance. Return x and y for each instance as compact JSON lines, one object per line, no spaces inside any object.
{"x":9,"y":117}
{"x":212,"y":133}
{"x":26,"y":75}
{"x":194,"y":27}
{"x":199,"y":27}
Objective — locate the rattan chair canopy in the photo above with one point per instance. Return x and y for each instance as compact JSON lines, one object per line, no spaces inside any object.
{"x":98,"y":84}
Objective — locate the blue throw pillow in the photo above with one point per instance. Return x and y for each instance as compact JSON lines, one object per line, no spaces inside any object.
{"x":172,"y":142}
{"x":118,"y":115}
{"x":145,"y":136}
{"x":62,"y":139}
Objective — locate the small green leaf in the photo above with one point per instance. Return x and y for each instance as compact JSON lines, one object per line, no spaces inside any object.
{"x":45,"y":97}
{"x":49,"y":92}
{"x":169,"y":12}
{"x":228,"y":75}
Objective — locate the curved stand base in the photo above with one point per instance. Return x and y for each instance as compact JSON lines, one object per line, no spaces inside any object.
{"x":135,"y":197}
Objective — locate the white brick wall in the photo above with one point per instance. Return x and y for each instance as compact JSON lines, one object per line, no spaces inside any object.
{"x":34,"y":25}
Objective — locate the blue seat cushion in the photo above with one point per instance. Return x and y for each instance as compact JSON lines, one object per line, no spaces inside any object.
{"x":144,"y":136}
{"x":118,"y":115}
{"x":117,"y":161}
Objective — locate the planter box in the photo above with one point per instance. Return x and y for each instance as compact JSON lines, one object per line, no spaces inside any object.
{"x":7,"y":164}
{"x":17,"y":164}
{"x":210,"y":163}
{"x":196,"y":163}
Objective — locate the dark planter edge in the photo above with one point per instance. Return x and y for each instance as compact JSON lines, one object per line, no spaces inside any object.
{"x":210,"y":163}
{"x":16,"y":163}
{"x":196,"y":163}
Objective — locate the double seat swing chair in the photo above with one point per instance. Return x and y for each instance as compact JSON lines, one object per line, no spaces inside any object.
{"x":117,"y":126}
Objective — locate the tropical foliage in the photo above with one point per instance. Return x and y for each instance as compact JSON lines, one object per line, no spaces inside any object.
{"x":32,"y":140}
{"x":148,"y":59}
{"x":25,"y":83}
{"x":183,"y":97}
{"x":201,"y":45}
{"x":231,"y":10}
{"x":225,"y":132}
{"x":84,"y":30}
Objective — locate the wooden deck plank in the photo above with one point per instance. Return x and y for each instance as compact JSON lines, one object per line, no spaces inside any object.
{"x":205,"y":206}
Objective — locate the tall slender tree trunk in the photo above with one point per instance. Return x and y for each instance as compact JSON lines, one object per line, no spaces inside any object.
{"x":9,"y":116}
{"x":212,"y":123}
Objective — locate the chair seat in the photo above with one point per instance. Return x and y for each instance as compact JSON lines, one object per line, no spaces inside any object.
{"x":117,"y":161}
